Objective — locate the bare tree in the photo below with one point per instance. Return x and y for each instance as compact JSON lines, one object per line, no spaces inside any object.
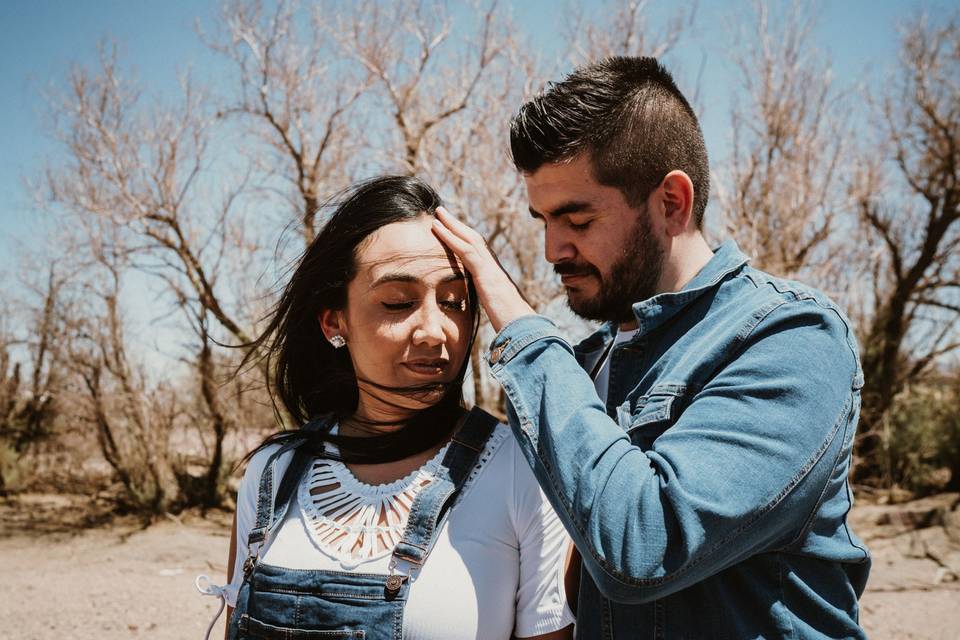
{"x":28,"y":407}
{"x":425,"y":74}
{"x":137,"y":170}
{"x":624,"y":29}
{"x":296,"y":95}
{"x":780,"y":191}
{"x":132,"y":189}
{"x":916,"y":236}
{"x":133,"y":422}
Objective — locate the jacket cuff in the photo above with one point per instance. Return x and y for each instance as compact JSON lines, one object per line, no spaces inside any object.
{"x":516,"y":335}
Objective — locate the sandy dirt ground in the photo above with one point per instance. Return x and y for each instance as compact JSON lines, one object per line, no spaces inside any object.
{"x":71,"y":571}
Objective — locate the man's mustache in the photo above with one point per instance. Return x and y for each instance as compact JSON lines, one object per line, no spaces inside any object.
{"x":571,"y":268}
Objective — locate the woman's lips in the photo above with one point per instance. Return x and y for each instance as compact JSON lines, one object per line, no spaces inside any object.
{"x":426,"y":367}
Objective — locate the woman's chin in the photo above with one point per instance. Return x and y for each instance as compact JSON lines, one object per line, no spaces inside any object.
{"x":425,"y":398}
{"x":413,"y":398}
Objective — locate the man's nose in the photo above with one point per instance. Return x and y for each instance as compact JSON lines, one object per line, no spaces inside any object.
{"x":556,"y":246}
{"x":429,"y":329}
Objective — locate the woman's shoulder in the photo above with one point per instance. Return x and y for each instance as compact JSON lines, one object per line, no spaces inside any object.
{"x":495,"y":443}
{"x":502,"y":488}
{"x":501,"y":462}
{"x":503,"y":444}
{"x":258,"y":462}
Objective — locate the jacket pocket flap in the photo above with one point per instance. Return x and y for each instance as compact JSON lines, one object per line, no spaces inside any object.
{"x":653,"y":409}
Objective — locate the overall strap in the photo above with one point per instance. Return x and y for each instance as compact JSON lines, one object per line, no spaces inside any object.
{"x":429,"y":506}
{"x":271,"y":510}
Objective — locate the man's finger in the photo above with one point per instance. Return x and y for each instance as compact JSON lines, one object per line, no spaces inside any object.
{"x":457,"y":244}
{"x":462,"y":230}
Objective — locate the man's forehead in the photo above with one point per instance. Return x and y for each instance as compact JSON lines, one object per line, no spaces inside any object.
{"x":559,"y":192}
{"x":561,"y":181}
{"x":578,"y":170}
{"x":557,"y":200}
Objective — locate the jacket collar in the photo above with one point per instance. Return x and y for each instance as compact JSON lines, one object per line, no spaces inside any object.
{"x":653,"y":312}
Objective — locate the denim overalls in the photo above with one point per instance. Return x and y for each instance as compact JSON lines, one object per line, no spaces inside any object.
{"x":274,"y":602}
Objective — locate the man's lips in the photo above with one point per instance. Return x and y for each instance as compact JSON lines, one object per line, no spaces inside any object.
{"x":571,"y":273}
{"x":570,"y":278}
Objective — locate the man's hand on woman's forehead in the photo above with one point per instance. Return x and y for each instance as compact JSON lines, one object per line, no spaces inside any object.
{"x":500,"y":297}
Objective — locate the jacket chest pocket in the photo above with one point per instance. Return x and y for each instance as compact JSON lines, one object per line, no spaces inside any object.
{"x":652,"y":415}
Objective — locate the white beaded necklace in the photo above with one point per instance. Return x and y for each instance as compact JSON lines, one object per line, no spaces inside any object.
{"x":355,"y":522}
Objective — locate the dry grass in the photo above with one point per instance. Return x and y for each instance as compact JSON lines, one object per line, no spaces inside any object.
{"x":72,"y":570}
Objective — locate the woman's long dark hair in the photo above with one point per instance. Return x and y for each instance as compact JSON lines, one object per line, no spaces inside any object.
{"x":311,"y":379}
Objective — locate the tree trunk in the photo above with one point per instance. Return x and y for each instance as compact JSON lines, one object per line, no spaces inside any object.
{"x":211,"y":496}
{"x":476,"y":359}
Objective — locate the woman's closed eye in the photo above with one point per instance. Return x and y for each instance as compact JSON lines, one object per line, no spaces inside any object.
{"x":399,"y":305}
{"x":452,"y":304}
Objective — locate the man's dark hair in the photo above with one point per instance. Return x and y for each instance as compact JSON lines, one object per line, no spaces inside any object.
{"x":629,"y":115}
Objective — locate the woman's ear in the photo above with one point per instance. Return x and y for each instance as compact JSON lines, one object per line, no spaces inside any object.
{"x":677,"y":198}
{"x":331,"y":323}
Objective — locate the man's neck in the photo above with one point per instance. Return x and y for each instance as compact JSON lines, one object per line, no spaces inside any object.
{"x":688,"y":255}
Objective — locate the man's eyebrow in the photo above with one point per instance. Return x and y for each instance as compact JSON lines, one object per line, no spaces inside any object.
{"x":574,"y":206}
{"x":410,"y":278}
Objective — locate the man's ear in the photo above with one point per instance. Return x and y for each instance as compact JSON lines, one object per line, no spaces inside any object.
{"x":331,"y":323}
{"x":677,"y":200}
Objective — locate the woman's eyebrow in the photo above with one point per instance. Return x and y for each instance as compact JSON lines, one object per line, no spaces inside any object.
{"x":456,"y":276}
{"x":409,"y":278}
{"x":394,"y":277}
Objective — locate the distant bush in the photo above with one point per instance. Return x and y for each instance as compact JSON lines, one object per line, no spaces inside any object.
{"x":921,"y":438}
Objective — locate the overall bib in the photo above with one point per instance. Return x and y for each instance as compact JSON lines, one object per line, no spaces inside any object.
{"x":274,"y":602}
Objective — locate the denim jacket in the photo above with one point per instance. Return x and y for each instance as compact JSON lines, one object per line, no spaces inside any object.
{"x":709,"y":496}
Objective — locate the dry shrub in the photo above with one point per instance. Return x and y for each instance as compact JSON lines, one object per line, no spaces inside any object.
{"x":922,"y":437}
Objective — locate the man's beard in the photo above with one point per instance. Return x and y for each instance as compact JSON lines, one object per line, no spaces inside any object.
{"x":633,"y":277}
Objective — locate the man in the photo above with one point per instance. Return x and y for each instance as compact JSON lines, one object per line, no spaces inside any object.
{"x":697,"y":446}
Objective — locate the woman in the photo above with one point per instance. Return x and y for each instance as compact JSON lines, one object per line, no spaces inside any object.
{"x":392,"y":512}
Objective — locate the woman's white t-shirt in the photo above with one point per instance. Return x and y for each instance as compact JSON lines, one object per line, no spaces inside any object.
{"x":496,"y":569}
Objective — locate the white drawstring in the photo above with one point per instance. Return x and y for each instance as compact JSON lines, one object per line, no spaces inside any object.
{"x":210,"y":589}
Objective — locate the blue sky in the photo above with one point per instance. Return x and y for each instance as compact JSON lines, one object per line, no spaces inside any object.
{"x":41,"y":39}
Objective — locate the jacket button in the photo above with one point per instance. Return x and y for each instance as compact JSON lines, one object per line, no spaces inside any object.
{"x":498,"y":351}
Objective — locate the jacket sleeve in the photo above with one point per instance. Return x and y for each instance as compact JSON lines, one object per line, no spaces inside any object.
{"x":741,"y":470}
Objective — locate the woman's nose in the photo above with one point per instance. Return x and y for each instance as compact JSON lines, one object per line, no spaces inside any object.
{"x":429,"y":329}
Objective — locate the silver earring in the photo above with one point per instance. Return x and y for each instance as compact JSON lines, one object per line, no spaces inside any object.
{"x":337,"y":341}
